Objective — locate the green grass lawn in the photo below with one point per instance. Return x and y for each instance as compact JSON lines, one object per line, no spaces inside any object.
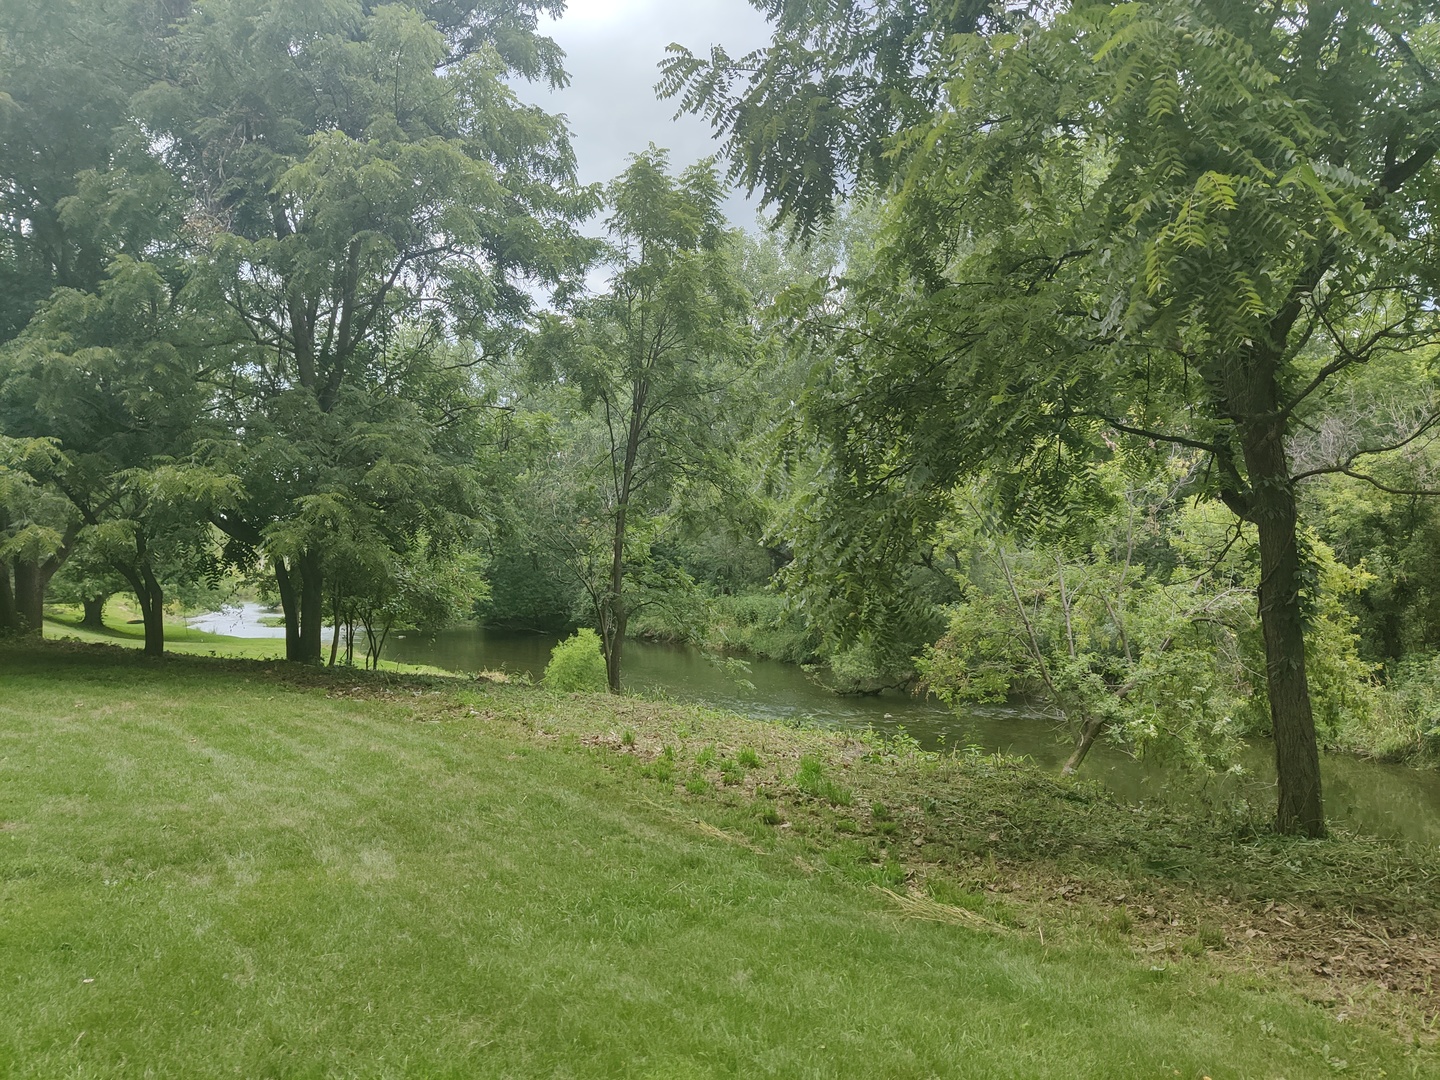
{"x":124,"y":629}
{"x":208,"y":869}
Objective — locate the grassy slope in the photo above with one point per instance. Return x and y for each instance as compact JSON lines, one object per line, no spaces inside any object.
{"x":206,"y":870}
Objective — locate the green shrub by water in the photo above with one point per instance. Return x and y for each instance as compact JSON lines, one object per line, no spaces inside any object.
{"x":756,"y":622}
{"x":576,"y":664}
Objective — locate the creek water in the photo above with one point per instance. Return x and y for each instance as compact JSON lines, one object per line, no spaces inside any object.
{"x":1392,"y":801}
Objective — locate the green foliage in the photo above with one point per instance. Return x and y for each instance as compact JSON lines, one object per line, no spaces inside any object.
{"x":1142,"y":624}
{"x":1112,"y":227}
{"x":82,"y":184}
{"x":369,"y":254}
{"x":276,"y":257}
{"x":1406,"y":724}
{"x":814,"y":112}
{"x":526,"y":590}
{"x":576,"y":664}
{"x":112,"y":379}
{"x":1392,"y":538}
{"x":759,"y":623}
{"x":645,"y":364}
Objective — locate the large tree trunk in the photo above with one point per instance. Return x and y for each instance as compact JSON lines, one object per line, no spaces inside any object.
{"x":290,"y":607}
{"x":312,"y":608}
{"x":152,"y":610}
{"x":1272,"y":508}
{"x":302,"y":599}
{"x":9,"y":614}
{"x":151,"y":598}
{"x":31,"y":580}
{"x":94,"y":612}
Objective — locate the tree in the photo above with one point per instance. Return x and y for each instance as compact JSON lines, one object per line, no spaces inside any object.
{"x":87,"y":579}
{"x":77,"y":183}
{"x":812,"y":118}
{"x":108,"y":387}
{"x":1182,"y":221}
{"x":38,"y":528}
{"x":651,"y":358}
{"x":353,"y":171}
{"x":78,"y":188}
{"x":1137,"y":623}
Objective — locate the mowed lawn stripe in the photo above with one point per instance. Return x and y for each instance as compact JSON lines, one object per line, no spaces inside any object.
{"x":207,"y":875}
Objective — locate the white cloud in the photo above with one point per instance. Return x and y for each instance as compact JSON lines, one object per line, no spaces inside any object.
{"x":588,"y":13}
{"x":613,"y":51}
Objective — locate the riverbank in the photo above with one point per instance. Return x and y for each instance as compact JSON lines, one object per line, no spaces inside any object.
{"x":1392,"y":721}
{"x":299,"y":871}
{"x":1367,"y":796}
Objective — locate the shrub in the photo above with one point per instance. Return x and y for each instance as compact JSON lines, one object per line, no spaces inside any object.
{"x":576,"y":664}
{"x":1407,"y":725}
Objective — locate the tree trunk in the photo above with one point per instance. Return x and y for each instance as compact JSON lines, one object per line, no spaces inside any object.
{"x":32,"y":579}
{"x":613,"y":634}
{"x":1297,"y":756}
{"x":94,"y":612}
{"x":151,"y":598}
{"x":9,"y":614}
{"x":152,"y":610}
{"x":335,"y":632}
{"x":612,"y":628}
{"x":30,"y":583}
{"x":1089,"y":732}
{"x":615,"y":644}
{"x":290,"y":607}
{"x":312,"y":608}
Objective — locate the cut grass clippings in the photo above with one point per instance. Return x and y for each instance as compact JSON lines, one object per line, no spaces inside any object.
{"x":216,"y":867}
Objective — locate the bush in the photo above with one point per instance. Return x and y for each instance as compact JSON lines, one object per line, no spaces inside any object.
{"x":764,"y":625}
{"x":576,"y":664}
{"x":1407,"y":724}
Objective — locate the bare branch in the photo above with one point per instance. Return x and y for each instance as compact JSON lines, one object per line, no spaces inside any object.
{"x":1388,"y":488}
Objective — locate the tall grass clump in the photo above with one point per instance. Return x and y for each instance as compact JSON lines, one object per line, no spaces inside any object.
{"x":810,"y":779}
{"x":576,"y":664}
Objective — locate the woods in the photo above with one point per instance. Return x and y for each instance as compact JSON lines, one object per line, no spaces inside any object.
{"x":478,"y":598}
{"x":1182,"y":224}
{"x":1089,"y":360}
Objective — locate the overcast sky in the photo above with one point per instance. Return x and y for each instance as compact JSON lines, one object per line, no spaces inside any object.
{"x":612,"y":51}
